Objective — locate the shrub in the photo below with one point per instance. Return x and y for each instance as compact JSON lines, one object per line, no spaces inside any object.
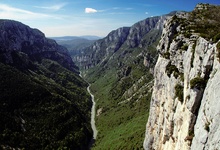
{"x":172,"y":69}
{"x":207,"y":124}
{"x":184,"y":47}
{"x":191,"y":133}
{"x":218,"y":51}
{"x":205,"y":22}
{"x":187,"y":34}
{"x":166,"y":55}
{"x":193,"y":54}
{"x":188,"y":97}
{"x":198,"y":83}
{"x":179,"y":92}
{"x":216,"y":38}
{"x":176,"y":73}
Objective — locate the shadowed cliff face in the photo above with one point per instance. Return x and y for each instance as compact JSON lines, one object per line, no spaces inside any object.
{"x":20,"y":39}
{"x":44,"y":104}
{"x":184,"y":104}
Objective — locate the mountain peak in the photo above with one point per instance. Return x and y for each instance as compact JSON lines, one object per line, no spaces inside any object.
{"x":19,"y":38}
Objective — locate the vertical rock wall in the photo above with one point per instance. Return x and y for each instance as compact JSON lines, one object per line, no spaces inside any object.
{"x":184,"y":110}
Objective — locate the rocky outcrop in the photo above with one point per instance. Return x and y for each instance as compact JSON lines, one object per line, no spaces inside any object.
{"x":31,"y":43}
{"x":206,"y":129}
{"x":184,"y":110}
{"x":136,"y":36}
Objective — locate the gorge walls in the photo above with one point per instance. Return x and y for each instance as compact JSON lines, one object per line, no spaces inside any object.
{"x":184,"y":111}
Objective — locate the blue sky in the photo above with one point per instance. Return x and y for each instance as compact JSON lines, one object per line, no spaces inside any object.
{"x":88,"y":17}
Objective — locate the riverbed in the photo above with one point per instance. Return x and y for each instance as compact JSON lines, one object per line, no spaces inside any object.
{"x":93,"y":114}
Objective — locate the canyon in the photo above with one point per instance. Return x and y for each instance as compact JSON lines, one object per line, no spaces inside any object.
{"x":153,"y":85}
{"x":182,"y":111}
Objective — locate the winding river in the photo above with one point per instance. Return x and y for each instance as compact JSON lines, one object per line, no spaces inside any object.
{"x":95,"y":132}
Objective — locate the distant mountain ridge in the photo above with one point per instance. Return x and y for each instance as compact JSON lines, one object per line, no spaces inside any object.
{"x":66,"y":38}
{"x":131,"y":37}
{"x":76,"y":43}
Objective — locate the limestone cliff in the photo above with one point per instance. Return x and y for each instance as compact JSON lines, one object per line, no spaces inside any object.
{"x":184,"y":110}
{"x":140,"y":35}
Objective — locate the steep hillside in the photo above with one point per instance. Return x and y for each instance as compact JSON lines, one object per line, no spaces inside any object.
{"x":123,"y":38}
{"x":44,"y":103}
{"x":119,"y":68}
{"x":184,"y":112}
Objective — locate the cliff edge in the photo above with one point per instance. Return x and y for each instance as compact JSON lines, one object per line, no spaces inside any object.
{"x":184,"y":111}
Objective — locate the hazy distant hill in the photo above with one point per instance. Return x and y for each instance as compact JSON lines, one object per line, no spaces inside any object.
{"x":65,"y":38}
{"x":76,"y":43}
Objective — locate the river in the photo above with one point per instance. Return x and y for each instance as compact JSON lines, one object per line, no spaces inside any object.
{"x":93,"y":112}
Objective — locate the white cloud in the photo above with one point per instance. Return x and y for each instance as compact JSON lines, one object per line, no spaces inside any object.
{"x":8,"y":12}
{"x":6,"y":8}
{"x":53,"y":7}
{"x":90,"y":10}
{"x":146,"y":13}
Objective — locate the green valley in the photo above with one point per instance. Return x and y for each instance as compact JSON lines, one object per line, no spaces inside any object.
{"x":120,"y":72}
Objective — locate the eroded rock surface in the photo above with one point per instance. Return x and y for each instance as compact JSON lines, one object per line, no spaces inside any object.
{"x":184,"y":110}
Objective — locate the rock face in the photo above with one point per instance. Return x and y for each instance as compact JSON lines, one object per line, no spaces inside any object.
{"x":17,"y":37}
{"x":129,"y":37}
{"x":207,"y":124}
{"x":184,"y":110}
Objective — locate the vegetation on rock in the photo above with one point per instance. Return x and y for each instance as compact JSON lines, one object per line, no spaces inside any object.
{"x":179,"y":92}
{"x":198,"y":83}
{"x":193,"y":54}
{"x":218,"y":51}
{"x":172,"y":69}
{"x":166,"y":55}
